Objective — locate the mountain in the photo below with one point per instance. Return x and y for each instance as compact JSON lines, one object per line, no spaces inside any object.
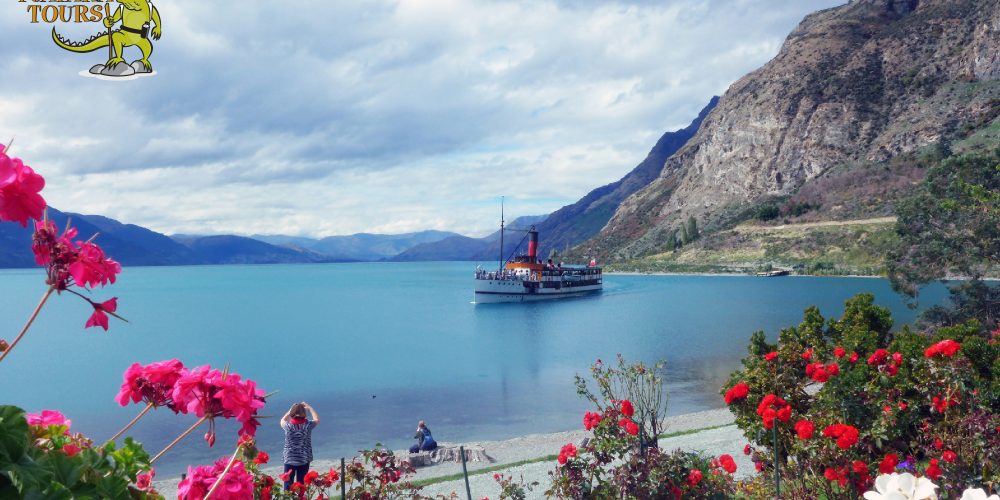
{"x":575,"y":223}
{"x":370,"y":247}
{"x":133,"y":245}
{"x":852,"y":88}
{"x":228,"y":249}
{"x":460,"y":247}
{"x":126,"y":243}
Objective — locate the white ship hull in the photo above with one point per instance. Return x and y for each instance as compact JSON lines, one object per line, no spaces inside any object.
{"x":493,"y":291}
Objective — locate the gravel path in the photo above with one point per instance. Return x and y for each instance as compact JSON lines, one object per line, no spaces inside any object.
{"x":715,"y":442}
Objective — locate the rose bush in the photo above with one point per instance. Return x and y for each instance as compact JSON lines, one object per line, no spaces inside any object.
{"x":889,"y":401}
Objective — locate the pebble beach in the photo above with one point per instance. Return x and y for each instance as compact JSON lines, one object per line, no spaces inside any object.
{"x":718,"y":435}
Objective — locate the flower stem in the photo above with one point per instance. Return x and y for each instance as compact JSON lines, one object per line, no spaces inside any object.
{"x":27,"y":325}
{"x":225,"y":471}
{"x":134,"y":420}
{"x":175,"y":441}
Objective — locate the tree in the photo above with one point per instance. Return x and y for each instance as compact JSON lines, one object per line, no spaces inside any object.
{"x":672,"y":240}
{"x":951,"y":224}
{"x":685,"y":237}
{"x":692,"y":228}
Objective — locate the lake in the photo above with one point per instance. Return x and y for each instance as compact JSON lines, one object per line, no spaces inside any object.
{"x":374,"y":347}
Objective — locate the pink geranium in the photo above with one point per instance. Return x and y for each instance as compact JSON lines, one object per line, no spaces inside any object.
{"x":152,"y":383}
{"x":99,"y":317}
{"x":92,"y":267}
{"x":47,"y":418}
{"x":19,"y":188}
{"x":210,"y":394}
{"x":237,"y":484}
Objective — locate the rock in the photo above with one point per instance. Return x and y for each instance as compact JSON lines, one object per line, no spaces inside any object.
{"x":140,"y":68}
{"x":96,"y":69}
{"x":120,"y":69}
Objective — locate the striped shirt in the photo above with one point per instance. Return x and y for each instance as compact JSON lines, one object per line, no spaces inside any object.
{"x":298,"y":443}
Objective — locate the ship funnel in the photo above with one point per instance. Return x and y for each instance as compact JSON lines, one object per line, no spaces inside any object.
{"x":532,"y":245}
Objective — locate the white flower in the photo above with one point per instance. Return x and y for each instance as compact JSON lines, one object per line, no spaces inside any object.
{"x":902,"y":487}
{"x":977,"y":494}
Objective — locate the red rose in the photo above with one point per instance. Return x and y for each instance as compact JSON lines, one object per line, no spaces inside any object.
{"x":631,"y":428}
{"x":888,"y":464}
{"x":830,"y":474}
{"x":946,"y":348}
{"x":727,"y":463}
{"x":808,"y":354}
{"x":859,"y":467}
{"x":897,"y":357}
{"x":785,"y":413}
{"x":771,"y":355}
{"x":694,"y":477}
{"x":839,"y":352}
{"x":854,"y":357}
{"x":310,"y":477}
{"x":804,"y":429}
{"x":933,"y":471}
{"x":938,"y":444}
{"x":833,"y":368}
{"x":747,"y":449}
{"x":627,"y":408}
{"x":736,"y":392}
{"x":949,"y":456}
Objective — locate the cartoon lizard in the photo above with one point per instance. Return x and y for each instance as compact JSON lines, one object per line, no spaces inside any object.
{"x":135,"y":16}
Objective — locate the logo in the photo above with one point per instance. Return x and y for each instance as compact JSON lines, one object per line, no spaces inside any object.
{"x":133,"y":23}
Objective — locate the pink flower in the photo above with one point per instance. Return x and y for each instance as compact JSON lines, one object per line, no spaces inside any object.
{"x":92,"y":267}
{"x":19,"y":188}
{"x":144,"y":481}
{"x":47,"y":418}
{"x":99,"y":318}
{"x":152,"y":383}
{"x":237,"y":485}
{"x":54,"y":251}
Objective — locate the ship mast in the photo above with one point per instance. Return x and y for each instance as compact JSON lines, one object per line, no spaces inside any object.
{"x":501,"y":232}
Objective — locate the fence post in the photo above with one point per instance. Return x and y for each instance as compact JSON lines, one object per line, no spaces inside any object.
{"x":343,"y":479}
{"x":465,"y":472}
{"x":777,"y":468}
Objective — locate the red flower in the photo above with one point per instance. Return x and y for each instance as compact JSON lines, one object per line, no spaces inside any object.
{"x":694,"y":477}
{"x":747,"y":449}
{"x":19,"y":188}
{"x":878,"y":357}
{"x":888,"y":464}
{"x":859,"y":467}
{"x":938,"y":443}
{"x":568,"y":451}
{"x":736,"y":392}
{"x":144,"y":481}
{"x":759,"y":466}
{"x":99,"y":318}
{"x":946,"y":348}
{"x":846,"y":435}
{"x":785,"y":413}
{"x":70,"y":449}
{"x":285,"y":475}
{"x":771,"y":355}
{"x":949,"y":456}
{"x":804,"y":429}
{"x":727,"y":463}
{"x":839,"y":352}
{"x":627,"y":408}
{"x":833,"y":368}
{"x":632,"y":428}
{"x":897,"y":358}
{"x":902,"y":405}
{"x":591,"y":419}
{"x":261,"y":458}
{"x":311,"y":477}
{"x":807,"y":355}
{"x":830,"y":474}
{"x":933,"y":471}
{"x":854,"y":357}
{"x":892,"y":370}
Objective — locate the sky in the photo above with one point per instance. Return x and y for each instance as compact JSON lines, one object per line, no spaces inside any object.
{"x":337,"y":117}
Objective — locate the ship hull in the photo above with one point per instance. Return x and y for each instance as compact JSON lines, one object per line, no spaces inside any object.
{"x":497,"y":291}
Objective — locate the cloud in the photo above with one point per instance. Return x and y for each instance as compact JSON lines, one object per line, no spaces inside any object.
{"x":386,"y":116}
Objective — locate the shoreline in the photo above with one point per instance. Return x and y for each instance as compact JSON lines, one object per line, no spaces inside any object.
{"x":712,"y":432}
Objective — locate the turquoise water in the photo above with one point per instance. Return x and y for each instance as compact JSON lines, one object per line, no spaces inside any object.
{"x":375,"y":347}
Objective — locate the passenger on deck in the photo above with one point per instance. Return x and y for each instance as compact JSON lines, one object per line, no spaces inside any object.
{"x":425,"y":441}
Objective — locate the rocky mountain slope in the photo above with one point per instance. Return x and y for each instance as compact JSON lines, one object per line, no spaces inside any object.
{"x":852,"y":86}
{"x":577,"y":222}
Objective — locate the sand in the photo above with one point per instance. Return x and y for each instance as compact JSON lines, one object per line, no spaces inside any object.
{"x":712,"y":442}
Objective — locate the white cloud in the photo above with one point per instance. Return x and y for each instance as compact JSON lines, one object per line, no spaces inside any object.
{"x":372,"y":116}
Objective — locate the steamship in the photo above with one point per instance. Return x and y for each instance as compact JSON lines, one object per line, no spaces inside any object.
{"x":525,"y":278}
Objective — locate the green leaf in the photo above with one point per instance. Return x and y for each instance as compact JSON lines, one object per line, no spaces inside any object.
{"x":14,"y":435}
